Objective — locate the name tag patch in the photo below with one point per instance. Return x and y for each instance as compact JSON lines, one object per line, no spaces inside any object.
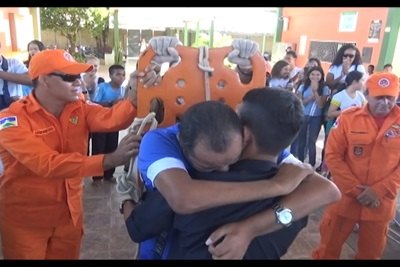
{"x":44,"y":131}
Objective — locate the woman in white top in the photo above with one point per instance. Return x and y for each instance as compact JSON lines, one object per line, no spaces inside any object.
{"x":347,"y":59}
{"x":350,"y":97}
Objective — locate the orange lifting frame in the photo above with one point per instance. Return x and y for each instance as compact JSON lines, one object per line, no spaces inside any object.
{"x":184,"y":84}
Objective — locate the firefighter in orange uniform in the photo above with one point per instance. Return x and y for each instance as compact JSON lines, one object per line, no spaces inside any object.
{"x":43,"y":145}
{"x":363,"y":156}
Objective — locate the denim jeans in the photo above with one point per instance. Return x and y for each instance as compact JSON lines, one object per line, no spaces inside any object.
{"x":308,"y":136}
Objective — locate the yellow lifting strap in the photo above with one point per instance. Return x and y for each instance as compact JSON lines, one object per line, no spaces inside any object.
{"x":200,"y":75}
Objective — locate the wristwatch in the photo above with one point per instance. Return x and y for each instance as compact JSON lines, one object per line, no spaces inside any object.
{"x":121,"y":206}
{"x":284,"y":216}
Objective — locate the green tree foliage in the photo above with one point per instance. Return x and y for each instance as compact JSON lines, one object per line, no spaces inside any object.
{"x":98,"y":25}
{"x":220,"y":40}
{"x":66,"y":21}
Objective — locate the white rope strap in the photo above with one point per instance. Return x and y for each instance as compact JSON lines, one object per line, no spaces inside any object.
{"x":128,"y":183}
{"x":204,"y":65}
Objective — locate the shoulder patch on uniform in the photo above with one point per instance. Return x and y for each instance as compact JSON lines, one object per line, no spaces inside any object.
{"x":7,"y":122}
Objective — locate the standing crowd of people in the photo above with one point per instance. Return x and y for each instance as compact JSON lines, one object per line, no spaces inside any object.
{"x":219,"y":184}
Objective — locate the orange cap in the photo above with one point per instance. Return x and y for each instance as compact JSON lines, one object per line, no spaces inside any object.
{"x":55,"y":60}
{"x":383,"y":84}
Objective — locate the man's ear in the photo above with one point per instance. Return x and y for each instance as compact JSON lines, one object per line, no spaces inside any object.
{"x":42,"y":79}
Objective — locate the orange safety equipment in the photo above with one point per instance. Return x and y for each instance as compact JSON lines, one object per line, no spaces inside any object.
{"x":200,"y":75}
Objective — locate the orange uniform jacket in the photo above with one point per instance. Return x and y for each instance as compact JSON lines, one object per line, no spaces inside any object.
{"x":358,"y":153}
{"x":45,"y":159}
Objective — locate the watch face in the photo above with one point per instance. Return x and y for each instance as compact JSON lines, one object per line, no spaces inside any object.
{"x":285,"y":216}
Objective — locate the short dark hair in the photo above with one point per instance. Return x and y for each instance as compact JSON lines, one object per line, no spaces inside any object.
{"x":273,"y":116}
{"x":212,"y":121}
{"x":291,"y":53}
{"x":115,"y":67}
{"x":353,"y":76}
{"x":388,"y":65}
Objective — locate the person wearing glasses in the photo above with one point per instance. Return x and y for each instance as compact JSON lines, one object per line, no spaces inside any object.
{"x":347,"y":59}
{"x":43,"y":145}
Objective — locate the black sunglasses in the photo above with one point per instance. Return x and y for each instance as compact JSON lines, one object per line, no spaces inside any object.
{"x":67,"y":77}
{"x":348,"y":55}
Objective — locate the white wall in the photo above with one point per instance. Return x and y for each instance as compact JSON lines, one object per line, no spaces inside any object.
{"x":396,"y":57}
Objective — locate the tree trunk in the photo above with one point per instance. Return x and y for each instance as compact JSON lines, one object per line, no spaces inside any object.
{"x":105,"y":39}
{"x":99,"y":47}
{"x":72,"y":42}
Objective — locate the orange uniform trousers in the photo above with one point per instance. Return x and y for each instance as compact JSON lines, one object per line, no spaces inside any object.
{"x":53,"y":242}
{"x":335,"y":230}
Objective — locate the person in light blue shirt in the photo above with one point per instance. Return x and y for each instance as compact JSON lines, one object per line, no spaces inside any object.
{"x":107,"y":94}
{"x":313,"y":93}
